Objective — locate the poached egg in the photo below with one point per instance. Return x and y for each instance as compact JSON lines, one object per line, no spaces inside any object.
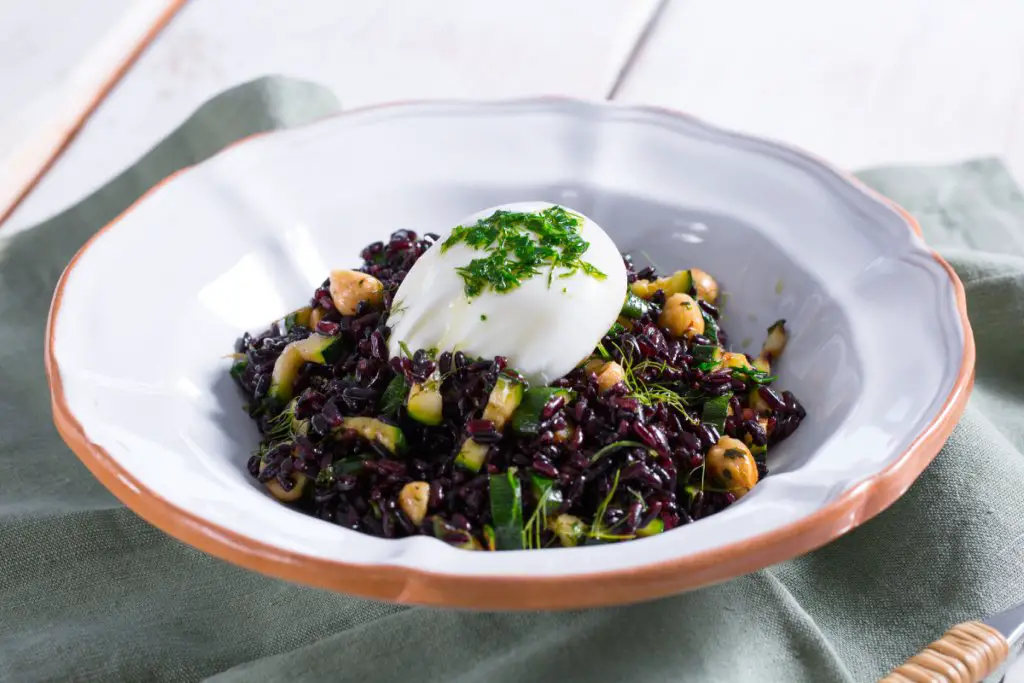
{"x":545,"y":326}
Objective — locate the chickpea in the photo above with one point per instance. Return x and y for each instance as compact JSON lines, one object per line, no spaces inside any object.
{"x":413,"y":500}
{"x":645,"y":289}
{"x":682,"y":316}
{"x":608,"y":375}
{"x":707,"y":288}
{"x":735,"y":360}
{"x":277,"y":491}
{"x":349,"y":287}
{"x":730,"y":463}
{"x":565,"y":434}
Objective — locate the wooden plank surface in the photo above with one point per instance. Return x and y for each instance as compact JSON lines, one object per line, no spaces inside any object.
{"x":366,"y":52}
{"x":57,"y":61}
{"x":860,"y":83}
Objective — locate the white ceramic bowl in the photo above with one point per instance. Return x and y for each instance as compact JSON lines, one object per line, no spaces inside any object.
{"x":881,"y":352}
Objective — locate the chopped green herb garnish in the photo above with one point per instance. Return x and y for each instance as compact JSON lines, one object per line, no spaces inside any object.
{"x":753,"y":375}
{"x":546,"y":502}
{"x":405,"y":349}
{"x":597,"y":529}
{"x":651,"y":393}
{"x":483,"y":317}
{"x":285,"y":425}
{"x":520,"y":246}
{"x":614,"y":447}
{"x":394,"y":395}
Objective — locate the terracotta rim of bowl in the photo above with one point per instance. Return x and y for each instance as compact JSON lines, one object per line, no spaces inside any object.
{"x":406,"y":585}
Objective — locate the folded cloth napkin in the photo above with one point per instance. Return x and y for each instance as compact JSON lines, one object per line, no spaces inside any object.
{"x":90,"y":592}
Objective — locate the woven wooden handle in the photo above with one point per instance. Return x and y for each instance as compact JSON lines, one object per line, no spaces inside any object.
{"x":966,"y":653}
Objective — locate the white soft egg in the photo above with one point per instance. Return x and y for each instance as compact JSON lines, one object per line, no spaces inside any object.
{"x":545,"y":327}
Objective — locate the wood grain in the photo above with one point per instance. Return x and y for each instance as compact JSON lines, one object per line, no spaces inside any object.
{"x":860,"y":83}
{"x":366,"y":52}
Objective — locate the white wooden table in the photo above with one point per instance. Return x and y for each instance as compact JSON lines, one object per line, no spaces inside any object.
{"x":860,"y":83}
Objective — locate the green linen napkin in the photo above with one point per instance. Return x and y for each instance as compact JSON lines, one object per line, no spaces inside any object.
{"x":90,"y":592}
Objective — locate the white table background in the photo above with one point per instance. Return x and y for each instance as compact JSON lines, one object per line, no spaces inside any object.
{"x":860,"y":83}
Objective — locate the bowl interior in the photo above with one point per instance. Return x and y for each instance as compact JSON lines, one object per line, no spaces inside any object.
{"x":244,"y":238}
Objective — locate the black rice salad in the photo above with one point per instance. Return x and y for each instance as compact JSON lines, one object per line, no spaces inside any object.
{"x":660,"y":427}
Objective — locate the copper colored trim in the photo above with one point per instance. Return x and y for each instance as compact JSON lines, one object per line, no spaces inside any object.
{"x":407,"y":585}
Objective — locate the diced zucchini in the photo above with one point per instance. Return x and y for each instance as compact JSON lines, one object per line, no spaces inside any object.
{"x":317,"y":348}
{"x":445,"y":533}
{"x":655,"y":526}
{"x":679,"y":282}
{"x":503,"y":400}
{"x":425,"y":403}
{"x":313,"y":349}
{"x":297,"y":318}
{"x":472,"y":455}
{"x":715,"y":411}
{"x":277,"y":491}
{"x":282,"y":379}
{"x":634,"y":306}
{"x":763,"y":364}
{"x":707,"y":353}
{"x":775,"y":343}
{"x":527,"y":418}
{"x":489,"y":537}
{"x":542,"y":490}
{"x":387,"y":435}
{"x":507,"y":510}
{"x":348,"y":466}
{"x":569,"y":529}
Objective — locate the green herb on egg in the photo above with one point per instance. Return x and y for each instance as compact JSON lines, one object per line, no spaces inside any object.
{"x":520,"y":246}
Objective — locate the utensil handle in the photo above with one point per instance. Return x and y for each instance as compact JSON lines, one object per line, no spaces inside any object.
{"x":966,"y":653}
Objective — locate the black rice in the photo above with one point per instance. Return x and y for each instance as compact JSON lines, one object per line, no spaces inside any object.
{"x":356,"y":483}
